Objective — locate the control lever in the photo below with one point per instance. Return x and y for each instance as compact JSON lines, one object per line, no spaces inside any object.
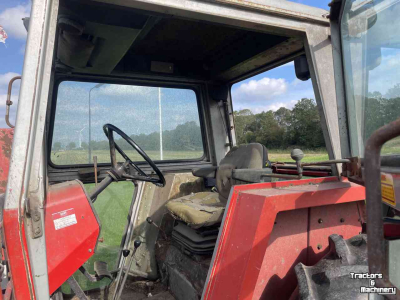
{"x":125,"y":253}
{"x":136,"y":245}
{"x":297,"y":155}
{"x":150,"y":221}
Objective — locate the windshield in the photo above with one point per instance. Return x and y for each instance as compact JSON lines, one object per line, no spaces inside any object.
{"x":371,"y":60}
{"x":164,"y":122}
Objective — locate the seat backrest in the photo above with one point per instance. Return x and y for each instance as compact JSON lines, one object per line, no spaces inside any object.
{"x":250,"y":156}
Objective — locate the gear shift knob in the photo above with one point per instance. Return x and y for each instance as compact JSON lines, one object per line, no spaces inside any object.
{"x":297,"y":155}
{"x":136,"y":244}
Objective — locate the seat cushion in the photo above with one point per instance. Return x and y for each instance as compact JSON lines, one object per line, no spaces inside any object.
{"x":197,"y":210}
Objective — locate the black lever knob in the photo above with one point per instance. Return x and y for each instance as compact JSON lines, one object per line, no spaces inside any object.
{"x":126,"y":252}
{"x":149,"y":220}
{"x":136,"y":244}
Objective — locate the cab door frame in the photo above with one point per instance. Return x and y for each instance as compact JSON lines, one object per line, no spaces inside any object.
{"x":23,"y":225}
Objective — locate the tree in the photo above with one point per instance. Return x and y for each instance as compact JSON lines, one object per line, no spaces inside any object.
{"x":306,"y":128}
{"x":85,"y":146}
{"x":71,"y":146}
{"x":393,"y":92}
{"x":57,"y":146}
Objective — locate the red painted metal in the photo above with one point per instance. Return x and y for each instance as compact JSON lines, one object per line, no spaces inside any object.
{"x":249,"y":222}
{"x":14,"y":231}
{"x":17,"y":254}
{"x":301,"y":236}
{"x":287,"y":246}
{"x":72,"y":230}
{"x":6,"y":138}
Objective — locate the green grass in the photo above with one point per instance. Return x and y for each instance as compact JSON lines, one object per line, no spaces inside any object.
{"x":309,"y":155}
{"x":391,"y":147}
{"x":73,"y":157}
{"x":112,"y":207}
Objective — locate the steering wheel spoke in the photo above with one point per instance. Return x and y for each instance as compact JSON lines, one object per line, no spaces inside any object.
{"x":108,"y":131}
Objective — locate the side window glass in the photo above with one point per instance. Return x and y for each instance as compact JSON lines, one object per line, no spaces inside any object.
{"x":279,"y":111}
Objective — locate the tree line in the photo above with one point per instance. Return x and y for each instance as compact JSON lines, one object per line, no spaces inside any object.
{"x":185,"y":137}
{"x":282,"y":129}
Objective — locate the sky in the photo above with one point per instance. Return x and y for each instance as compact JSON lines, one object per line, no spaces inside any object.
{"x":258,"y":89}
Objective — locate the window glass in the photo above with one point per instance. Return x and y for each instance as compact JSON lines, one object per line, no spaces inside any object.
{"x":279,"y":111}
{"x":164,"y":122}
{"x":371,"y":58}
{"x":112,"y":207}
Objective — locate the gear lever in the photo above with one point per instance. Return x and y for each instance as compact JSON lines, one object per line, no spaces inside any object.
{"x":136,"y":245}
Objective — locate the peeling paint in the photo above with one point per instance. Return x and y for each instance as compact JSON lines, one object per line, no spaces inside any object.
{"x":6,"y":138}
{"x":3,"y":35}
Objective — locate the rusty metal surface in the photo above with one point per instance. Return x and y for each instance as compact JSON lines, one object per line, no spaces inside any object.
{"x":9,"y":102}
{"x":372,"y":164}
{"x":6,"y":138}
{"x":353,"y":171}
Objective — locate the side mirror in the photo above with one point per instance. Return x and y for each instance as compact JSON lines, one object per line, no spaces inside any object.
{"x":301,"y":68}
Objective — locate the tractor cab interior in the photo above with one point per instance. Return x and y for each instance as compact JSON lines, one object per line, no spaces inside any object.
{"x":141,"y":110}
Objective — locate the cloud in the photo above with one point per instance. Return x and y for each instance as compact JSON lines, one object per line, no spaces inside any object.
{"x":385,"y":76}
{"x":123,"y":90}
{"x":263,"y":89}
{"x":11,"y":20}
{"x":270,"y":94}
{"x":22,"y":49}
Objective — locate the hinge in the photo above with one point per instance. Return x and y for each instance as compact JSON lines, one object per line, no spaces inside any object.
{"x":34,"y":217}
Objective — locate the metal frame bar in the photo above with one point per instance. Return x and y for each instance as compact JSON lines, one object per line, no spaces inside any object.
{"x":26,"y":180}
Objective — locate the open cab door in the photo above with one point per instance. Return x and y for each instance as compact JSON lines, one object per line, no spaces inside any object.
{"x":366,"y":65}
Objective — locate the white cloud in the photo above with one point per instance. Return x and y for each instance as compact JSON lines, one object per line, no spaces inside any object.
{"x":5,"y":79}
{"x":22,"y":49}
{"x":123,"y":90}
{"x":11,"y":20}
{"x":386,"y":75}
{"x":263,"y":89}
{"x":270,"y":94}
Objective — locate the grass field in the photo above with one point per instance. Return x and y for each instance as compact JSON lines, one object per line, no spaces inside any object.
{"x":72,"y":157}
{"x":103,"y":156}
{"x":112,"y":207}
{"x":309,"y":155}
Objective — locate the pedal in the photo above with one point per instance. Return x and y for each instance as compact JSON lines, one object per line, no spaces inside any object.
{"x":101,"y":270}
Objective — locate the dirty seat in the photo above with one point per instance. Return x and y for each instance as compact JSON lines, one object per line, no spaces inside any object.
{"x":207,"y":208}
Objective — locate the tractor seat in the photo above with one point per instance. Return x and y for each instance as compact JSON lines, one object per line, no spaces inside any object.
{"x":207,"y":208}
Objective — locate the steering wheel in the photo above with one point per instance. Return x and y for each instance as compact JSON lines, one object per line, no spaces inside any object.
{"x":109,"y":130}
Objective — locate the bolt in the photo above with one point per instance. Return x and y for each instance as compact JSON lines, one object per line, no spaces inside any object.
{"x":37,"y":231}
{"x":319,"y":221}
{"x":319,"y":246}
{"x":90,"y":250}
{"x":36,"y":217}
